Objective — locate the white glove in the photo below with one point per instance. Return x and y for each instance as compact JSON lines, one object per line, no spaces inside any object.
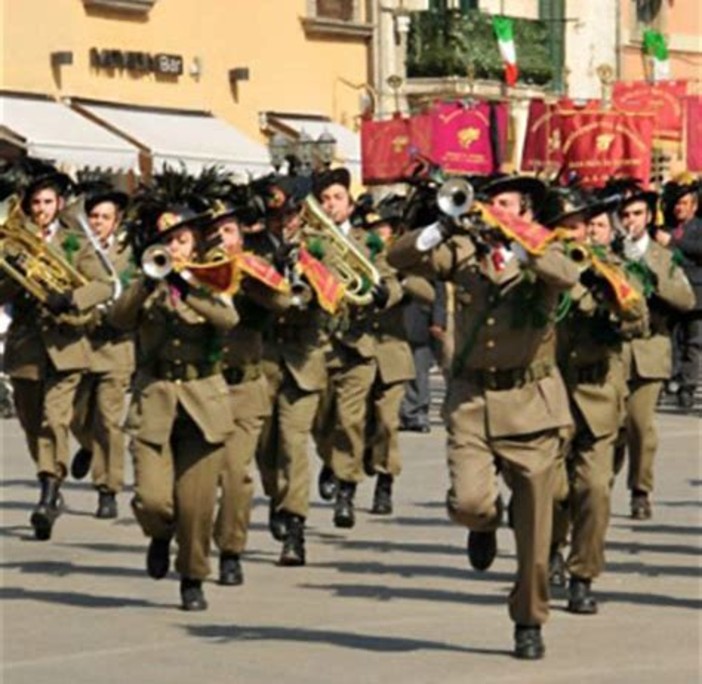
{"x":430,"y":237}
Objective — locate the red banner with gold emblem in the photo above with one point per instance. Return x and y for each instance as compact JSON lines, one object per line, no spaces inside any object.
{"x":328,"y":289}
{"x":385,"y":150}
{"x":694,"y":132}
{"x":597,"y":145}
{"x":542,"y":142}
{"x":663,"y":99}
{"x":464,"y":136}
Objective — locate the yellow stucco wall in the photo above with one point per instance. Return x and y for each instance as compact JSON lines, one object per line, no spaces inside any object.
{"x":289,"y":71}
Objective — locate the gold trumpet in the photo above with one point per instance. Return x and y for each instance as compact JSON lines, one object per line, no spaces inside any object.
{"x":34,"y":264}
{"x":344,"y":259}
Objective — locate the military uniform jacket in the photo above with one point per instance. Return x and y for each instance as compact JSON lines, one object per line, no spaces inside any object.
{"x":589,"y":340}
{"x":35,"y":338}
{"x":172,"y":336}
{"x":689,"y":244}
{"x":242,"y":349}
{"x":392,"y":351}
{"x":504,"y":320}
{"x":652,"y":355}
{"x":112,"y":350}
{"x":355,"y":335}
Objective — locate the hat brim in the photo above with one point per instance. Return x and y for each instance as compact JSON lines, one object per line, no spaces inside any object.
{"x":196,"y":222}
{"x":647,"y":196}
{"x":584,"y":211}
{"x":59,"y":181}
{"x":524,"y":185}
{"x":340,"y":176}
{"x":119,"y":199}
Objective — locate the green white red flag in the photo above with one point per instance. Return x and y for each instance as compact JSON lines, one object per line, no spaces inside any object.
{"x":504,"y":31}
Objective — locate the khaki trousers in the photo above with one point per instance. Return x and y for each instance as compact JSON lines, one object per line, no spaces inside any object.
{"x":175,"y":491}
{"x":29,"y":404}
{"x":267,"y":448}
{"x":296,"y":411}
{"x":385,"y":423}
{"x":351,"y":385}
{"x":527,"y":463}
{"x":97,"y":425}
{"x":237,"y":488}
{"x":323,"y":428}
{"x":44,"y":408}
{"x":642,"y":436}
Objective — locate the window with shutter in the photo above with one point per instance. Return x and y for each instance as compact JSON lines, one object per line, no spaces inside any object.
{"x":339,"y":10}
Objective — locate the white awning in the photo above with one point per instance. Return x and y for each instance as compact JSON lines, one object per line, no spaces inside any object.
{"x":51,"y":130}
{"x":348,"y":143}
{"x":197,"y":139}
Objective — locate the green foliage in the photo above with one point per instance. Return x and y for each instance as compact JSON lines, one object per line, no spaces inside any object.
{"x":446,"y":43}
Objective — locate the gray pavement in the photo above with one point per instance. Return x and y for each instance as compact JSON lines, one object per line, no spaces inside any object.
{"x":392,"y":598}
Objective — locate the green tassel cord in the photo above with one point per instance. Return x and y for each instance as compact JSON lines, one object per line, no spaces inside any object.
{"x":70,"y":246}
{"x":375,"y":245}
{"x":642,"y":273}
{"x":315,"y":247}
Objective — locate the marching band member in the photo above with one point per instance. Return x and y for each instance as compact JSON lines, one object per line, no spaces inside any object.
{"x":179,"y":417}
{"x":45,"y":353}
{"x":100,"y":400}
{"x":352,"y":362}
{"x":260,"y":290}
{"x":649,"y":358}
{"x":596,"y":316}
{"x":506,"y":401}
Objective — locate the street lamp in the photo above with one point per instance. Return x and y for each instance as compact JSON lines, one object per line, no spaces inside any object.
{"x":304,"y":155}
{"x":278,"y":150}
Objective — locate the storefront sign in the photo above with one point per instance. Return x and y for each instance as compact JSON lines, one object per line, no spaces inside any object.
{"x":145,"y":62}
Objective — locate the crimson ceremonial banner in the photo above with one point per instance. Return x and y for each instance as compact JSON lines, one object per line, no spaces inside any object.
{"x":329,"y":291}
{"x":694,"y":132}
{"x":464,"y":136}
{"x":542,"y":143}
{"x":664,"y":99}
{"x":599,"y":145}
{"x":386,"y":153}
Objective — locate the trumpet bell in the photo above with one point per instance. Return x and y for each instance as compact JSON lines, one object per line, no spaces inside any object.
{"x":156,"y":262}
{"x":455,"y":197}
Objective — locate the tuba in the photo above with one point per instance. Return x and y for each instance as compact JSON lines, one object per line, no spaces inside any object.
{"x":343,"y":258}
{"x":34,"y":264}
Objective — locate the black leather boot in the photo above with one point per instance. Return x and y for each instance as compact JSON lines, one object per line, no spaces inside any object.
{"x":640,"y":506}
{"x":343,"y":508}
{"x":158,"y":557}
{"x":580,"y":598}
{"x":107,"y":505}
{"x":382,"y":498}
{"x":528,"y":643}
{"x":191,"y":595}
{"x":80,"y":465}
{"x":277,"y":522}
{"x":293,"y":553}
{"x":45,"y":514}
{"x":556,"y":568}
{"x":482,"y":549}
{"x":230,"y":572}
{"x":327,"y":484}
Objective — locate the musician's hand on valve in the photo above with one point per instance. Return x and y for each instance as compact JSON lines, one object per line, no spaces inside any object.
{"x":176,"y":281}
{"x":281,"y":258}
{"x":59,"y":302}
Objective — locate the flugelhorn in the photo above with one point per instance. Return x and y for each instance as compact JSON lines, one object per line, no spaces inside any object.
{"x":156,"y":262}
{"x":341,"y":256}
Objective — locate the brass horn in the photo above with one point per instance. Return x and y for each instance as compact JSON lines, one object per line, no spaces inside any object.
{"x":455,"y":197}
{"x":156,"y":262}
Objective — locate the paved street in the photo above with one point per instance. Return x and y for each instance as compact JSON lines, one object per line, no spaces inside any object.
{"x":392,"y":599}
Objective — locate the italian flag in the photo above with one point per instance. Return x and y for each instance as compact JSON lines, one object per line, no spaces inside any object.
{"x":655,"y":47}
{"x":503,"y":27}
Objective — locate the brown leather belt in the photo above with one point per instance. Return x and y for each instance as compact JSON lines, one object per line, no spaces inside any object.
{"x":183,"y":371}
{"x":507,"y":378}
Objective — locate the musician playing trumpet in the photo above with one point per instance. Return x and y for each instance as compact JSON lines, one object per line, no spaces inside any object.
{"x":47,"y":350}
{"x":597,"y":315}
{"x":506,"y":400}
{"x":180,"y":417}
